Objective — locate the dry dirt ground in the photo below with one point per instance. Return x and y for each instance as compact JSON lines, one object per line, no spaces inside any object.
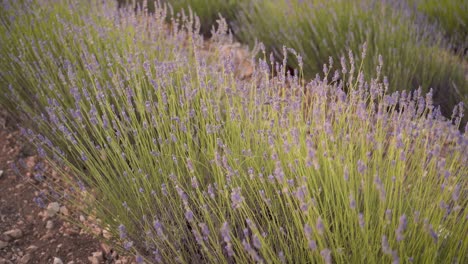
{"x":29,"y":233}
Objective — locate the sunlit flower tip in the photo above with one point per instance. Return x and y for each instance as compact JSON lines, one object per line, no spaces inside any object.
{"x":256,"y":242}
{"x":456,"y":193}
{"x":396,"y":258}
{"x":401,"y":228}
{"x":385,"y":246}
{"x":122,"y":231}
{"x":281,"y":257}
{"x":225,"y":232}
{"x":346,"y":173}
{"x":194,"y":183}
{"x":236,"y":198}
{"x":307,"y":231}
{"x":83,"y":157}
{"x":39,"y":202}
{"x":352,"y":202}
{"x":205,"y":230}
{"x":361,"y":166}
{"x":388,"y":215}
{"x":189,"y":215}
{"x":312,"y":245}
{"x":361,"y":220}
{"x":128,"y":245}
{"x":190,"y":165}
{"x":326,"y":255}
{"x":319,"y":226}
{"x":211,"y":191}
{"x":433,"y":234}
{"x":139,"y":259}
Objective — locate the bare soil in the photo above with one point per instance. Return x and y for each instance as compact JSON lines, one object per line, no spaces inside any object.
{"x":28,"y":234}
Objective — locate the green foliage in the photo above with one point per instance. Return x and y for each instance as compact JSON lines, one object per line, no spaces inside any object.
{"x":183,"y":162}
{"x":319,"y":30}
{"x":451,"y":16}
{"x":209,"y":11}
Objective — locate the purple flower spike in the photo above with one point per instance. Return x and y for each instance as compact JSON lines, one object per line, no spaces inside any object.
{"x":385,"y":246}
{"x":361,"y":220}
{"x":319,"y":226}
{"x":456,"y":193}
{"x":122,"y":231}
{"x":236,"y":198}
{"x":401,"y":228}
{"x":326,"y":255}
{"x":189,"y":215}
{"x":361,"y":167}
{"x":128,"y":245}
{"x":312,"y":245}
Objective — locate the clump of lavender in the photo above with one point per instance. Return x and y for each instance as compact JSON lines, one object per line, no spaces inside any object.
{"x":184,"y":161}
{"x":321,"y":29}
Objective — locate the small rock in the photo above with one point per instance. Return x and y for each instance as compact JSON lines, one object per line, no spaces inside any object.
{"x":58,"y":261}
{"x":106,"y":248}
{"x":25,"y":259}
{"x":14,"y":233}
{"x":98,"y":255}
{"x":1,"y":173}
{"x":31,"y":248}
{"x":82,"y":218}
{"x":47,"y":236}
{"x":97,"y":231}
{"x":71,"y":262}
{"x":50,"y":225}
{"x":5,"y":261}
{"x":53,"y":209}
{"x":93,"y":260}
{"x":64,"y":211}
{"x":3,"y":244}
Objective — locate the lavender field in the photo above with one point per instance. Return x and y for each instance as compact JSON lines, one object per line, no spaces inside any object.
{"x":345,"y":148}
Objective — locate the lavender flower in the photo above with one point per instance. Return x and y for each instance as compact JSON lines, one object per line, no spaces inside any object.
{"x":236,"y":198}
{"x":122,"y":231}
{"x":319,"y":226}
{"x":361,"y":167}
{"x":128,"y":245}
{"x":189,"y":215}
{"x":401,"y":228}
{"x":326,"y":255}
{"x":456,"y":193}
{"x":361,"y":220}
{"x":205,"y":230}
{"x":39,"y":202}
{"x":225,"y":232}
{"x":352,"y":202}
{"x":385,"y":246}
{"x":346,"y":173}
{"x":256,"y":242}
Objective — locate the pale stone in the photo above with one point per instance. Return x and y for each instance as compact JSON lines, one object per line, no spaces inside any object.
{"x":25,"y":259}
{"x":53,"y":209}
{"x":31,"y":248}
{"x":64,"y":211}
{"x":50,"y":225}
{"x":14,"y":233}
{"x":3,"y":244}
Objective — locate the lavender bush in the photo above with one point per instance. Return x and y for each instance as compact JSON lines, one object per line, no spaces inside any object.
{"x":415,"y":53}
{"x":451,"y":17}
{"x":182,"y":162}
{"x":207,"y":10}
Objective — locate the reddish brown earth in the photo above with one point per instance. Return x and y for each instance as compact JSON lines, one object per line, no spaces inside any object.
{"x":28,"y":234}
